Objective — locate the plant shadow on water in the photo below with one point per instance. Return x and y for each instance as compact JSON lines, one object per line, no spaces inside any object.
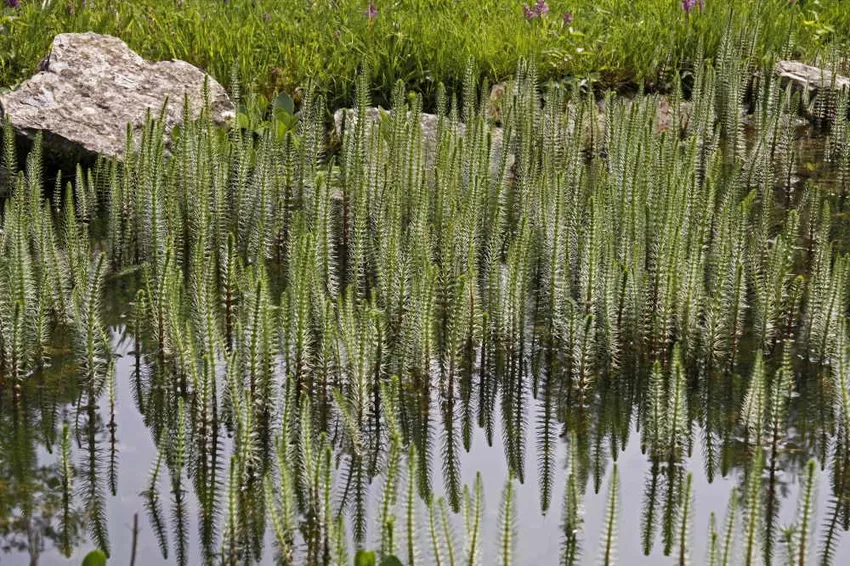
{"x":628,"y":337}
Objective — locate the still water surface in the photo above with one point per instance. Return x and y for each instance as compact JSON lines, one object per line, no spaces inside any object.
{"x":539,"y":540}
{"x":29,"y":464}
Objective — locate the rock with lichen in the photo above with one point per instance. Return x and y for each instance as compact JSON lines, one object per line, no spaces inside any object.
{"x":346,"y":118}
{"x":90,"y":87}
{"x":810,"y":77}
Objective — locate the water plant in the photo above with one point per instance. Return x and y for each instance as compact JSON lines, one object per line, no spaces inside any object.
{"x":315,"y":331}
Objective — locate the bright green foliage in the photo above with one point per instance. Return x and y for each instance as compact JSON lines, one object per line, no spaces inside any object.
{"x":572,"y":519}
{"x":507,"y":529}
{"x":95,"y":558}
{"x":753,"y":514}
{"x":281,"y":45}
{"x":364,"y":558}
{"x":805,"y":512}
{"x":67,"y":491}
{"x":730,"y":526}
{"x":713,"y":553}
{"x":608,"y":540}
{"x":686,"y":523}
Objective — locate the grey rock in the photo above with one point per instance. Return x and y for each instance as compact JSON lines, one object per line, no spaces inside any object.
{"x":669,"y":118}
{"x":91,"y":86}
{"x":809,"y":77}
{"x":345,"y":118}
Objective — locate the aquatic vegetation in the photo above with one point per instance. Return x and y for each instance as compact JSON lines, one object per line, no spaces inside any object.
{"x":313,"y":329}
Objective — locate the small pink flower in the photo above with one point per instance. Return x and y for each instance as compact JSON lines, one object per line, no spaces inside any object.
{"x":568,"y":18}
{"x":13,"y":3}
{"x":528,"y":12}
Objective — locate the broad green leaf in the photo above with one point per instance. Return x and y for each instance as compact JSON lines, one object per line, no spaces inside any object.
{"x":364,"y":558}
{"x":95,"y":558}
{"x":285,"y":103}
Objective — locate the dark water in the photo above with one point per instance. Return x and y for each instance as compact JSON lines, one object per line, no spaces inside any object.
{"x":30,"y":498}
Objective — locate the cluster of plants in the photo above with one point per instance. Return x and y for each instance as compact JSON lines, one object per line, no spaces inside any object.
{"x":280,"y":45}
{"x":312,"y":331}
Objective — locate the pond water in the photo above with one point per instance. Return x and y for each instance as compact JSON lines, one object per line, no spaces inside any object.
{"x":473,"y":425}
{"x":31,"y":468}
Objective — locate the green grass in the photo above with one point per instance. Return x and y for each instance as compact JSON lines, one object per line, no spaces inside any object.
{"x":277,"y":44}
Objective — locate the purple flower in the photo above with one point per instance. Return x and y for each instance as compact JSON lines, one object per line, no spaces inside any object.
{"x":542,"y":8}
{"x":689,"y":5}
{"x":13,"y":3}
{"x":371,"y":12}
{"x":568,"y":18}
